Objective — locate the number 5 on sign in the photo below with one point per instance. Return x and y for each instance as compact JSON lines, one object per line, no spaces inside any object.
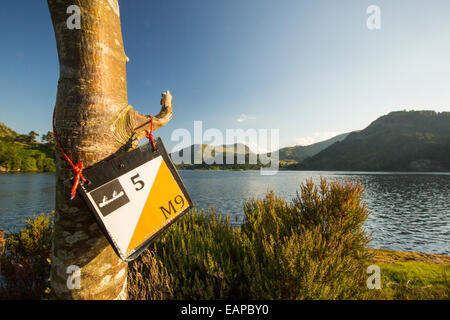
{"x":135,"y":197}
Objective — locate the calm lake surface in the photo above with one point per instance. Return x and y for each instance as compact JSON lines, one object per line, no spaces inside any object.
{"x":410,"y":212}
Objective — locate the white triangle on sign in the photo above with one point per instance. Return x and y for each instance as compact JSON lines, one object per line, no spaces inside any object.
{"x":122,"y":222}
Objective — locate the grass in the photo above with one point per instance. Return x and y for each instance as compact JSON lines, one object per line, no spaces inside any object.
{"x":413,"y":275}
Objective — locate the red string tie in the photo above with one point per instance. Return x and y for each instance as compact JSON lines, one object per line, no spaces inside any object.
{"x":77,"y":168}
{"x":149,"y":133}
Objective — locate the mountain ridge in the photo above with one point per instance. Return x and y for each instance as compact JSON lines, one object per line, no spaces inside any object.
{"x":398,"y":141}
{"x":296,"y":154}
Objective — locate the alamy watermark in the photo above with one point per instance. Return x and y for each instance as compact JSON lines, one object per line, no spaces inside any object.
{"x":374,"y":280}
{"x":374,"y":20}
{"x":74,"y":20}
{"x":74,"y":278}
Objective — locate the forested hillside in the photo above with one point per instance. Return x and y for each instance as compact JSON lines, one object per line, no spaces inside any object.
{"x":399,"y":141}
{"x":296,"y":154}
{"x":24,"y":153}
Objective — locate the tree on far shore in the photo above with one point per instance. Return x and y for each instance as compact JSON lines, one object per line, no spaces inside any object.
{"x":48,"y":138}
{"x":32,"y":137}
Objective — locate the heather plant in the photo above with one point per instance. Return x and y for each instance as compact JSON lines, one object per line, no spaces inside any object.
{"x":25,"y":264}
{"x":205,"y":256}
{"x":312,"y":248}
{"x":148,"y":279}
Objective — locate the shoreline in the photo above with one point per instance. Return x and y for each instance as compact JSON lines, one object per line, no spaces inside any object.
{"x":387,"y":256}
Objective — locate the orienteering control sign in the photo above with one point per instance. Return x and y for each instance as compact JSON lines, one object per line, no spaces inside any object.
{"x":135,"y":197}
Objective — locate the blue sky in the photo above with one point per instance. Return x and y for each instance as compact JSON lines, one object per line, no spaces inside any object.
{"x":309,"y":68}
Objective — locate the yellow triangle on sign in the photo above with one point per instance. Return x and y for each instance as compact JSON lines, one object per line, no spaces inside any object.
{"x":164,"y":202}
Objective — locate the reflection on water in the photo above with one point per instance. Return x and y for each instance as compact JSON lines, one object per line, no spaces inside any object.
{"x":410,"y":212}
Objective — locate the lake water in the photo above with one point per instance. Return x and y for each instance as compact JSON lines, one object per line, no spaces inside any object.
{"x":410,"y":212}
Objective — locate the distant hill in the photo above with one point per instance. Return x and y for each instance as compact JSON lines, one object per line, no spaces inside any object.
{"x":22,"y":152}
{"x":287,"y":156}
{"x":197,"y":150}
{"x":6,"y":132}
{"x":399,"y":141}
{"x":296,"y":154}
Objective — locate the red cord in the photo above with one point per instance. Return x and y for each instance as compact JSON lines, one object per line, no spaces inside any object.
{"x":149,"y":133}
{"x":78,"y":168}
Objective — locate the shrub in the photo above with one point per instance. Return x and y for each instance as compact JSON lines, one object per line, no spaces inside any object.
{"x":149,"y":279}
{"x":45,"y":164}
{"x":205,"y":257}
{"x":312,"y":248}
{"x":25,"y":265}
{"x":28,"y":164}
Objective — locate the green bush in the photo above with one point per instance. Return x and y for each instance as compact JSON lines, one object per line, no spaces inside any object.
{"x":19,"y":156}
{"x":25,"y":265}
{"x":312,"y":248}
{"x":204,"y":256}
{"x":28,"y":164}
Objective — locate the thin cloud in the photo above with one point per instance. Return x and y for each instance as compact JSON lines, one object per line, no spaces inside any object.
{"x":315,"y":137}
{"x":244,"y":117}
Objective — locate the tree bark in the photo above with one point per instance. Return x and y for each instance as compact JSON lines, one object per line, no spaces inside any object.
{"x":93,"y":122}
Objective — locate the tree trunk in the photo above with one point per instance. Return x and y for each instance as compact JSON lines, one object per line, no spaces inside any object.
{"x":93,"y":122}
